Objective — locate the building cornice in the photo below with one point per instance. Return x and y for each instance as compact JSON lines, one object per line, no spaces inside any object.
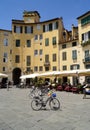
{"x":14,"y":21}
{"x":83,"y":15}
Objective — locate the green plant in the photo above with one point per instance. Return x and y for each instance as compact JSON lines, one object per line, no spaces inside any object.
{"x":39,"y":82}
{"x":60,"y":81}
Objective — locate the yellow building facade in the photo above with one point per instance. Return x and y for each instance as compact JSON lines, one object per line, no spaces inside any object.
{"x":84,"y":40}
{"x":39,"y":46}
{"x":36,"y":44}
{"x":6,"y":43}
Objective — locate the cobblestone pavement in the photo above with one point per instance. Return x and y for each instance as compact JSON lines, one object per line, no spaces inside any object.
{"x":16,"y":112}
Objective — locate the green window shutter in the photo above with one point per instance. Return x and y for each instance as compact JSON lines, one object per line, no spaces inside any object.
{"x":25,"y":29}
{"x":46,"y":42}
{"x":82,"y":36}
{"x":17,"y":43}
{"x":21,"y":29}
{"x":74,"y":54}
{"x":89,"y":35}
{"x":32,"y":29}
{"x":54,"y":40}
{"x":56,"y":25}
{"x":78,"y":66}
{"x":50,"y":27}
{"x":71,"y":67}
{"x":43,"y":28}
{"x":85,"y":20}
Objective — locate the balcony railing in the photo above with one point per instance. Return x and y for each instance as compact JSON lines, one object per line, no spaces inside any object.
{"x":46,"y":63}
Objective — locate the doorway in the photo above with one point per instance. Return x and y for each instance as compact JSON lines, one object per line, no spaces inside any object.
{"x":16,"y":76}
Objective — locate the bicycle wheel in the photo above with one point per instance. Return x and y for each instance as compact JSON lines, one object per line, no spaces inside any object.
{"x":54,"y":104}
{"x":36,"y":104}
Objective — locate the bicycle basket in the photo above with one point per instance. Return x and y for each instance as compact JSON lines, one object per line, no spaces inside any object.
{"x":53,"y":94}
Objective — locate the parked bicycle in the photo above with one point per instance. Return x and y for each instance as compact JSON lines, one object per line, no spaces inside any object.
{"x":34,"y":91}
{"x":38,"y":102}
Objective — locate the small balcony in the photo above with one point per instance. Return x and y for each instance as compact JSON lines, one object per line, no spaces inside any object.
{"x":46,"y":63}
{"x":85,"y":43}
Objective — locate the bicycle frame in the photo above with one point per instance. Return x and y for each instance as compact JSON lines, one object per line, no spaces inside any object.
{"x":47,"y":100}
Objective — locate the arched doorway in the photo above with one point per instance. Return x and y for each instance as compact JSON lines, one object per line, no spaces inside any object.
{"x":16,"y":76}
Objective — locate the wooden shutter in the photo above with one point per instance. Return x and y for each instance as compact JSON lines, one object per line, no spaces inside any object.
{"x":32,"y":29}
{"x":43,"y":28}
{"x":15,"y":29}
{"x":82,"y":36}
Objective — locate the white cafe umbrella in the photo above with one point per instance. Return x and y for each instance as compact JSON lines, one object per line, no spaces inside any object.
{"x":29,"y":76}
{"x":85,"y":72}
{"x":69,"y":73}
{"x":3,"y":75}
{"x":48,"y":74}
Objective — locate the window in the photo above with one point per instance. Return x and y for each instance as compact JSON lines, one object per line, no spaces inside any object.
{"x":38,"y":26}
{"x":35,"y":52}
{"x":74,"y":44}
{"x":17,"y":43}
{"x":40,"y":36}
{"x":28,"y":60}
{"x":5,"y":42}
{"x":86,"y":36}
{"x":64,"y":56}
{"x":36,"y":37}
{"x":87,"y":56}
{"x":54,"y":57}
{"x":74,"y":67}
{"x":28,"y":69}
{"x":10,"y":51}
{"x":46,"y":28}
{"x":87,"y":66}
{"x":28,"y":43}
{"x":63,"y":46}
{"x":17,"y":59}
{"x":54,"y":40}
{"x":54,"y":68}
{"x":18,"y":29}
{"x":46,"y":68}
{"x":28,"y":29}
{"x":47,"y":42}
{"x":50,"y":27}
{"x":5,"y":57}
{"x":4,"y":68}
{"x":40,"y":52}
{"x":6,"y":34}
{"x":46,"y":58}
{"x":74,"y":54}
{"x":86,"y":53}
{"x":64,"y":67}
{"x":35,"y":68}
{"x":55,"y":25}
{"x":40,"y":68}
